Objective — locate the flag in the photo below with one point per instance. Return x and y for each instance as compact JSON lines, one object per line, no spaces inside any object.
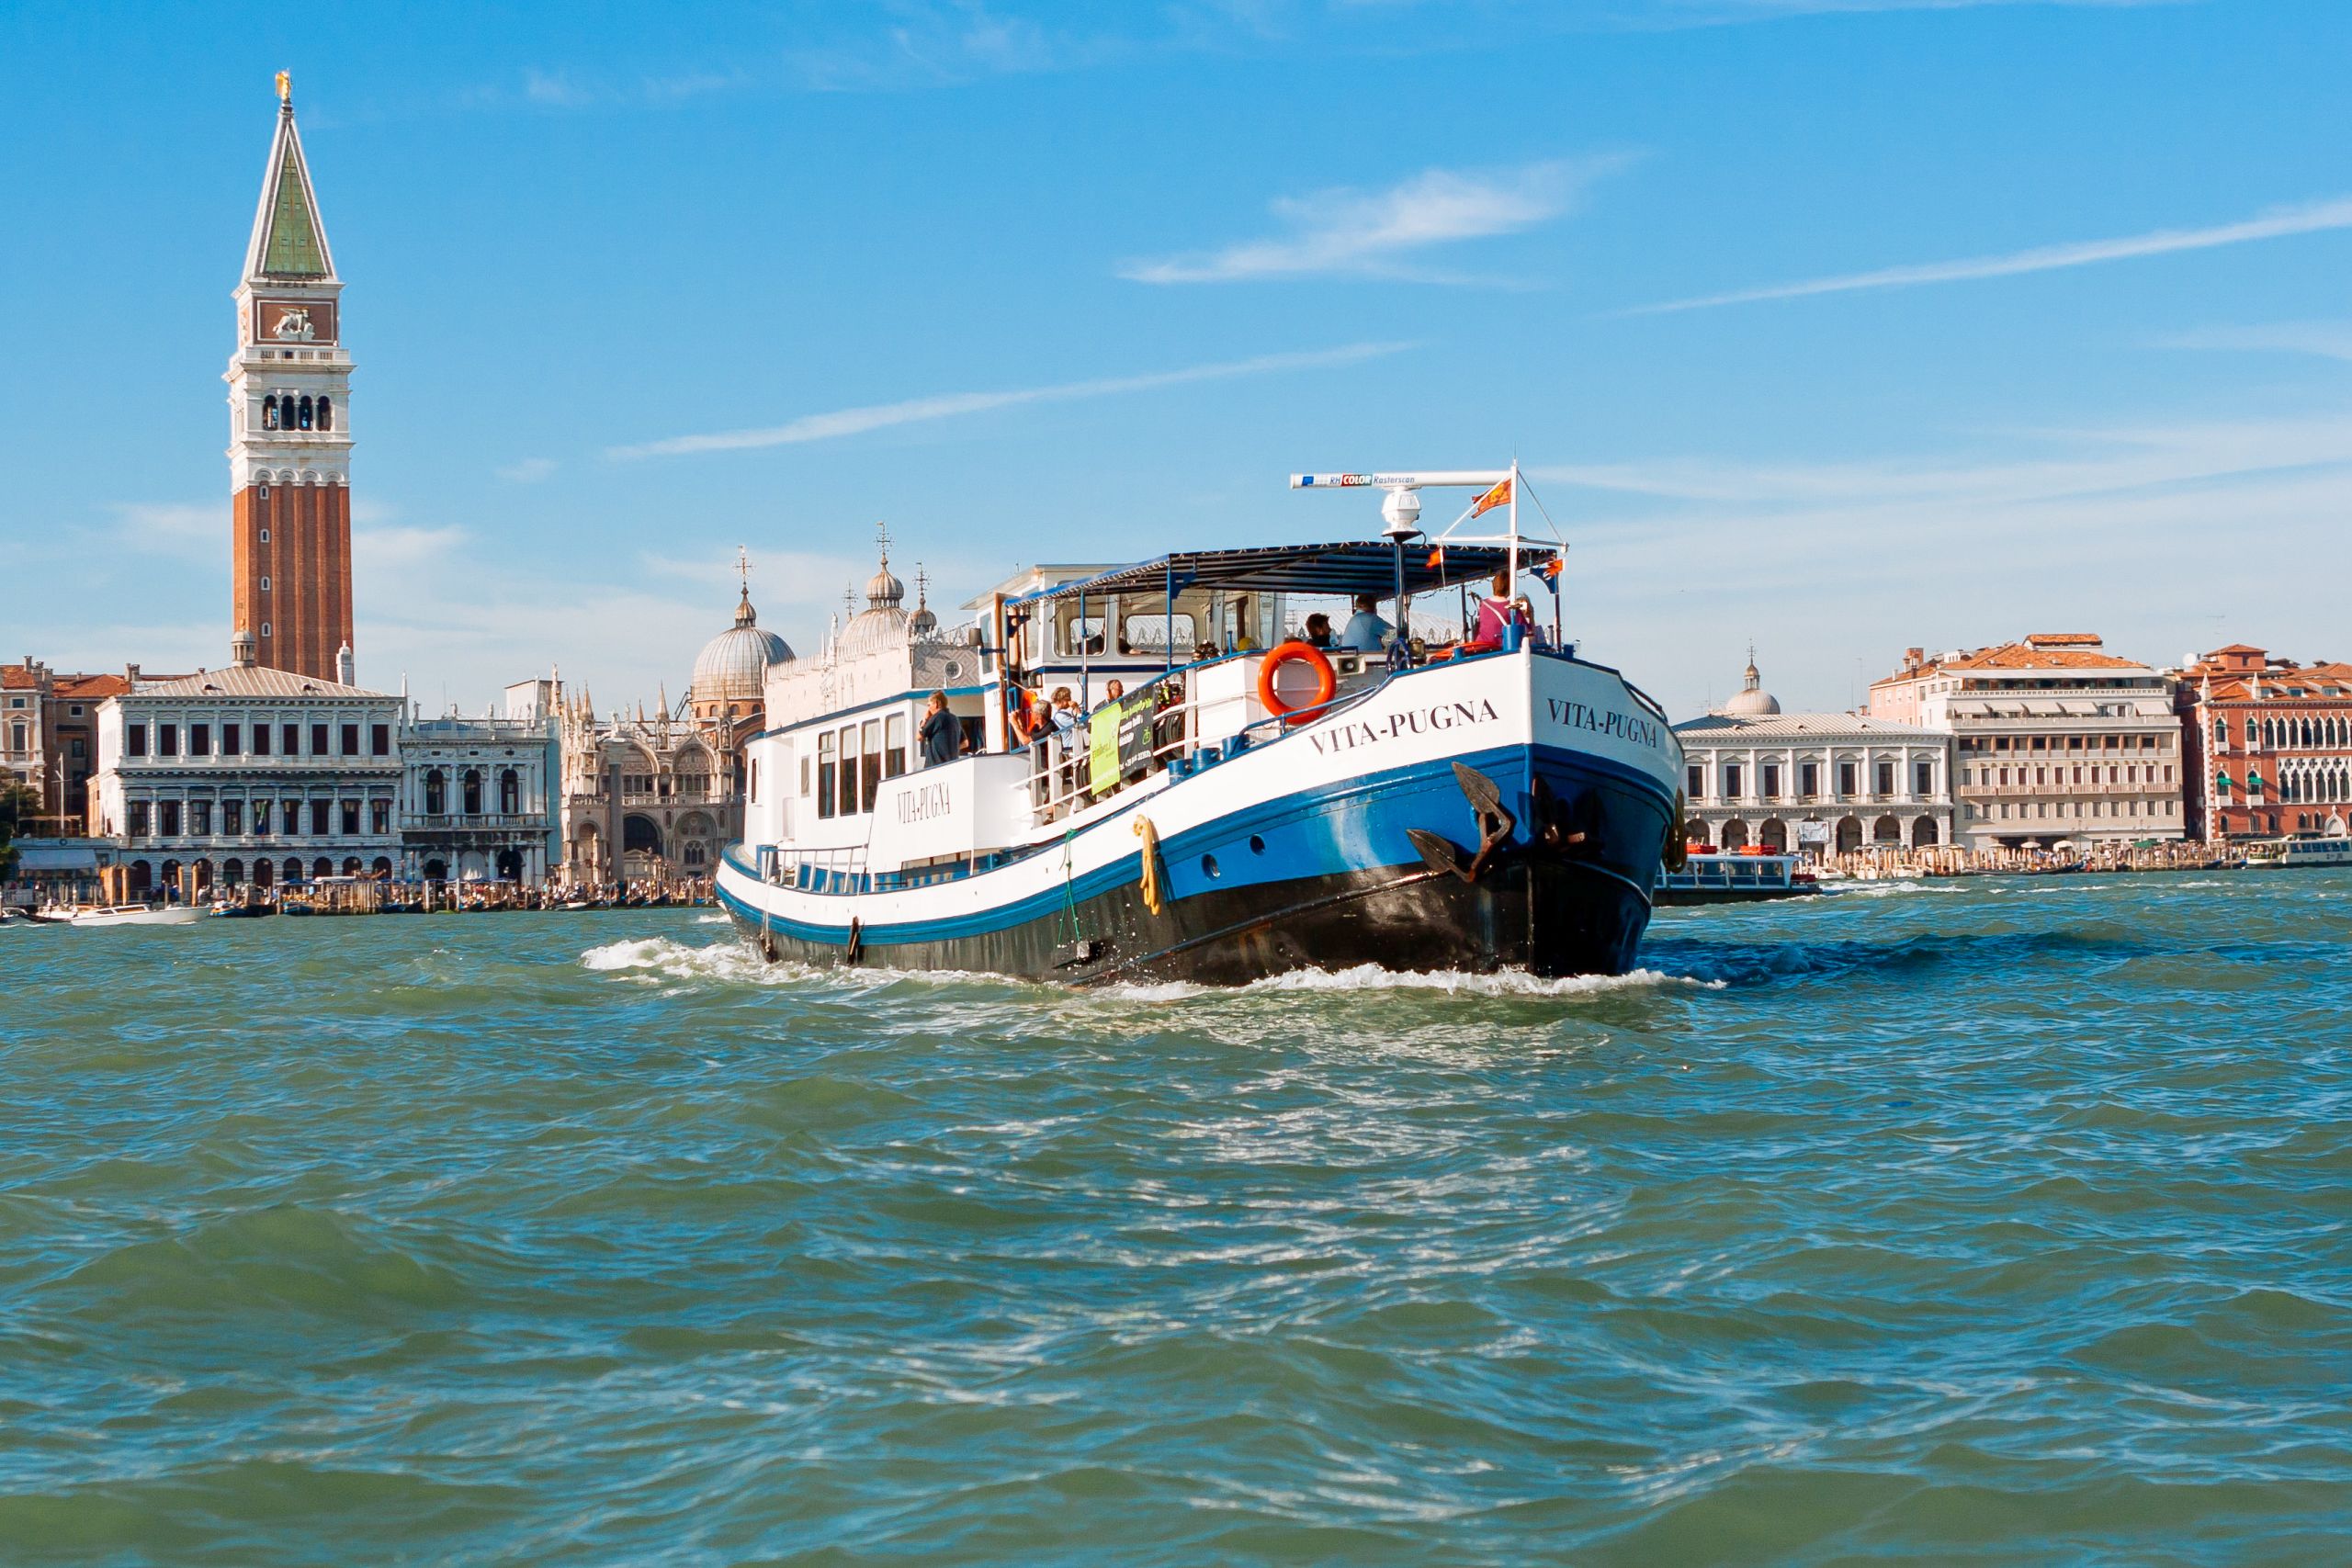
{"x":1498,"y":496}
{"x":1551,"y":568}
{"x":1437,"y":558}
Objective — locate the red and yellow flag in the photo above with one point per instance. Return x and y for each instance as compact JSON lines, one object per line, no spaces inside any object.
{"x":1498,"y":496}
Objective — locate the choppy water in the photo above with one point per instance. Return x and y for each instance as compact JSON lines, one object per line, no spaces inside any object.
{"x":1989,"y":1223}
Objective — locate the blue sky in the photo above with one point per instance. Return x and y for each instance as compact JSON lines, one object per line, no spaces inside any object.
{"x":1840,"y":325}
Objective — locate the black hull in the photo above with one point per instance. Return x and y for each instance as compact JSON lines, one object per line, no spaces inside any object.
{"x":1528,"y":910}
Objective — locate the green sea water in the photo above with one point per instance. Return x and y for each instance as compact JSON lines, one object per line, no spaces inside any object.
{"x":1996,"y":1221}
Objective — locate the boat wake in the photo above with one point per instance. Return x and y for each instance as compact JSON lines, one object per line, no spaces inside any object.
{"x":652,"y":958}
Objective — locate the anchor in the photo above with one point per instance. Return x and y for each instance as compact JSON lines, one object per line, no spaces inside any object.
{"x":1495,"y":825}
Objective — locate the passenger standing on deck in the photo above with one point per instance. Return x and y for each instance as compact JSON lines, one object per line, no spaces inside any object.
{"x":1318,"y":630}
{"x":941,"y":735}
{"x":1496,"y":611}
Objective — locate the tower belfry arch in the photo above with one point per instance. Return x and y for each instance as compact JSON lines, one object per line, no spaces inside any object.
{"x":289,"y":426}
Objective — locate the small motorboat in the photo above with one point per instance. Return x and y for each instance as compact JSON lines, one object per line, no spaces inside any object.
{"x":138,"y":915}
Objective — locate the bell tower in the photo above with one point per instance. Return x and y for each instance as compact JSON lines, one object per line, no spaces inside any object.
{"x":290,"y":427}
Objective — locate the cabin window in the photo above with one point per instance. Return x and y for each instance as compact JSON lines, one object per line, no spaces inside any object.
{"x":1157,"y":634}
{"x":894,"y":745}
{"x":870,"y":763}
{"x":826,"y":772}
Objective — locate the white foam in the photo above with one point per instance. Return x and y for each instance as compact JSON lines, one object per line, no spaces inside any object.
{"x":1452,"y":982}
{"x":735,"y":962}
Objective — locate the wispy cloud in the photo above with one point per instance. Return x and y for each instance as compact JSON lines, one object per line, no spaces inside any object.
{"x":527,"y":471}
{"x":2329,"y":340}
{"x":858,"y":420}
{"x":1349,"y":233}
{"x":2312,"y":217}
{"x":198,"y":530}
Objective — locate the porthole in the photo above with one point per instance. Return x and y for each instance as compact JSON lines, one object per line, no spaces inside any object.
{"x":1208,"y":867}
{"x":1257,"y":845}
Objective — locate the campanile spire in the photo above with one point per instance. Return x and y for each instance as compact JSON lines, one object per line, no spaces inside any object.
{"x":289,"y":426}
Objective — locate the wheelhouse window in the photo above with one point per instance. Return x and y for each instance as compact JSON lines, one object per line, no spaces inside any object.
{"x":894,"y":745}
{"x":826,"y":770}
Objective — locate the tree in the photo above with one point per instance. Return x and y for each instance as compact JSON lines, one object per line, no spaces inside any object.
{"x":19,"y":805}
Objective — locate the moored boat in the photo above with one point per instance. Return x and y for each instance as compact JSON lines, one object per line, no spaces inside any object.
{"x":1219,"y":803}
{"x":137,"y":915}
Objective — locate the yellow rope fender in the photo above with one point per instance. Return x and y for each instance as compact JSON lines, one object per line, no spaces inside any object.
{"x":1152,"y":869}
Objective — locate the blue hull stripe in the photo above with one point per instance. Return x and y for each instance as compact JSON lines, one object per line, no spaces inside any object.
{"x":1317,"y":832}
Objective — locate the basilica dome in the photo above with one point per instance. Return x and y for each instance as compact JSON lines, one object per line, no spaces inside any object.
{"x":733,"y":666}
{"x":883,"y":624}
{"x":1753,"y":701}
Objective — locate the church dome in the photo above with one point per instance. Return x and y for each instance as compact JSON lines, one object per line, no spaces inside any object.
{"x":922,"y":623}
{"x":1753,"y":701}
{"x":733,"y":666}
{"x":883,"y":590}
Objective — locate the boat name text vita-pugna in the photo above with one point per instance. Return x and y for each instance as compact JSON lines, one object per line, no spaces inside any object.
{"x":1217,"y":799}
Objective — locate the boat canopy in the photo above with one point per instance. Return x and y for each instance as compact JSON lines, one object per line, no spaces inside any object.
{"x":1346,"y":570}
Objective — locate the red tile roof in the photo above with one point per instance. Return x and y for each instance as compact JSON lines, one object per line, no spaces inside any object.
{"x":16,"y":678}
{"x":91,"y":687}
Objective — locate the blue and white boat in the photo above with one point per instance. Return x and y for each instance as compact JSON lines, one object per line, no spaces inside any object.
{"x":1233,"y":802}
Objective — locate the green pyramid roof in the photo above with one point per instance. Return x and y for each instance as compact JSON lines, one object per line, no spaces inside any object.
{"x":292,"y":248}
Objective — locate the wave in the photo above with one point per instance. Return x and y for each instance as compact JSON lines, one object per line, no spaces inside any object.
{"x":737,"y":962}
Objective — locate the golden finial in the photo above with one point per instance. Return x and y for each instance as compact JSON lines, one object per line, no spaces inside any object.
{"x":285,"y":86}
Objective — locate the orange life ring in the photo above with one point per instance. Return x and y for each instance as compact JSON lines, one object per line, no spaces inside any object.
{"x":1326,"y":682}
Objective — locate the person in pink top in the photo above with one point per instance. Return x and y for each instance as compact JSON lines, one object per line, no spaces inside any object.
{"x":1496,"y":611}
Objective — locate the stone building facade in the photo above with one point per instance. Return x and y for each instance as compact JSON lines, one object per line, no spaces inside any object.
{"x":1826,"y":783}
{"x":2055,"y":741}
{"x":48,"y":738}
{"x":249,"y":776}
{"x":478,"y":795}
{"x":650,"y":800}
{"x":2267,"y":744}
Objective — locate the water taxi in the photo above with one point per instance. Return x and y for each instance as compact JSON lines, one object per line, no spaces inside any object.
{"x":137,"y":915}
{"x":2279,"y":854}
{"x":1214,"y":798}
{"x":1712,"y":877}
